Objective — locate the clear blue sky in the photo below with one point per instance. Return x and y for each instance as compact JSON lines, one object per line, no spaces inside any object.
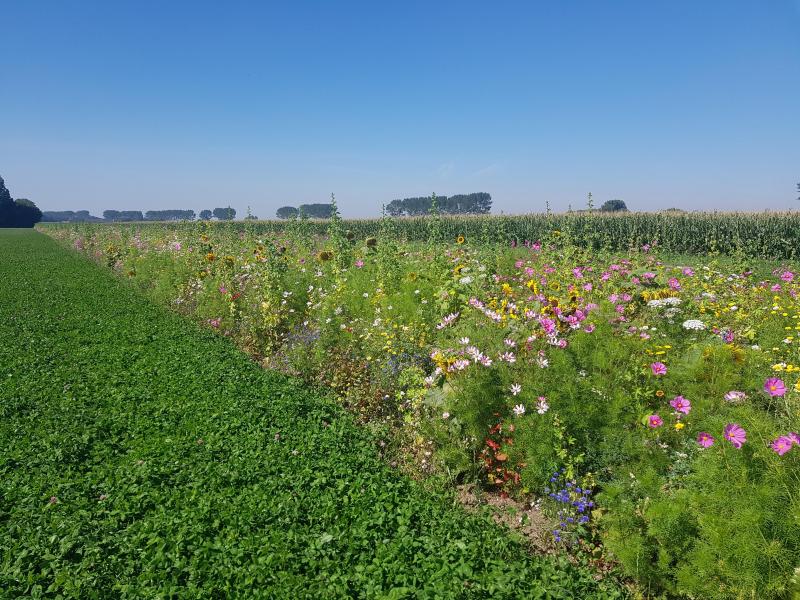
{"x":148,"y":105}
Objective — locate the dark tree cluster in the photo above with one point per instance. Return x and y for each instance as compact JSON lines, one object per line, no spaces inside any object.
{"x":478,"y":203}
{"x":169,"y":215}
{"x":17,"y":213}
{"x":313,"y":211}
{"x":69,"y":216}
{"x":287,"y":212}
{"x":119,"y":216}
{"x":224,"y":214}
{"x":613,"y":206}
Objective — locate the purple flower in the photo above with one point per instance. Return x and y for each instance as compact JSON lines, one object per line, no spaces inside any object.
{"x":787,"y":276}
{"x":782,"y":445}
{"x":735,"y":435}
{"x":654,"y":421}
{"x":681,"y":404}
{"x":706,"y":440}
{"x":794,"y":437}
{"x":774,"y":387}
{"x":735,"y":396}
{"x":659,"y":368}
{"x":359,"y":263}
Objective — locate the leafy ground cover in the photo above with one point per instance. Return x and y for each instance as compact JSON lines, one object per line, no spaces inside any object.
{"x":650,"y":399}
{"x":141,"y":457}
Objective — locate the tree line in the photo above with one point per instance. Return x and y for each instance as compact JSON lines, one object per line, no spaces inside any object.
{"x":17,"y":213}
{"x":479,"y":203}
{"x":122,"y":216}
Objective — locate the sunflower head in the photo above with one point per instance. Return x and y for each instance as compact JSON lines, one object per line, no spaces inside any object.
{"x":324,"y":256}
{"x":460,"y":240}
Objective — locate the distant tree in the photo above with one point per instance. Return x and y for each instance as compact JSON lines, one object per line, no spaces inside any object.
{"x":251,"y":218}
{"x":169,"y":215}
{"x":613,"y":206}
{"x":205,"y":215}
{"x":316,"y":211}
{"x":22,"y":213}
{"x":225,"y":214}
{"x":395,"y":208}
{"x":123,"y":215}
{"x":286,"y":212}
{"x":479,"y":203}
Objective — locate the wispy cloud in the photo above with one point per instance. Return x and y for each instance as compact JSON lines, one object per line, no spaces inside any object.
{"x":445,"y":170}
{"x":489,"y":170}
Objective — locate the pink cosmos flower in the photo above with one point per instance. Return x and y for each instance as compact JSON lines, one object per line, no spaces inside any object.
{"x":589,"y":328}
{"x":787,"y":276}
{"x":735,"y":435}
{"x":774,"y":387}
{"x":689,"y":272}
{"x":735,"y":396}
{"x":776,"y":287}
{"x":659,"y":368}
{"x":681,"y":404}
{"x":359,"y":263}
{"x":705,"y":440}
{"x":674,"y":284}
{"x":794,"y":437}
{"x":654,"y":421}
{"x":782,"y":445}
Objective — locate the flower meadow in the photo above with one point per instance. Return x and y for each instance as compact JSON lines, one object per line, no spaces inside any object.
{"x":650,"y":401}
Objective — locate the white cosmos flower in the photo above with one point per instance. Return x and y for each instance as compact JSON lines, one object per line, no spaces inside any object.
{"x":516,"y":389}
{"x":519,"y":410}
{"x":542,"y":406}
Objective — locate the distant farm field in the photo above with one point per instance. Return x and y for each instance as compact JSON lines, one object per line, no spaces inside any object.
{"x":768,"y":235}
{"x":143,"y":457}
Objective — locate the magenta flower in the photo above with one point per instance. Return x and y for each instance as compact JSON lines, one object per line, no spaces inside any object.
{"x":782,"y":445}
{"x":735,"y":435}
{"x":774,"y":387}
{"x":794,"y":437}
{"x":706,"y":440}
{"x":359,"y":263}
{"x":674,"y":283}
{"x":681,"y":404}
{"x":659,"y":368}
{"x":654,"y":421}
{"x":787,"y":276}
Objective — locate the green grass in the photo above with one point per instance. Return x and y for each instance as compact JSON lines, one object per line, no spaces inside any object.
{"x":218,"y":479}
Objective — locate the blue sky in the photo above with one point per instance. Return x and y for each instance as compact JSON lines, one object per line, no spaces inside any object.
{"x":149,"y":105}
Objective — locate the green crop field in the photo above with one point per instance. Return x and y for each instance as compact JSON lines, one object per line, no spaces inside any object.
{"x":143,"y":457}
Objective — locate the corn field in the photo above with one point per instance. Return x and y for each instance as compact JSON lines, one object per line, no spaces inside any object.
{"x":756,"y":235}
